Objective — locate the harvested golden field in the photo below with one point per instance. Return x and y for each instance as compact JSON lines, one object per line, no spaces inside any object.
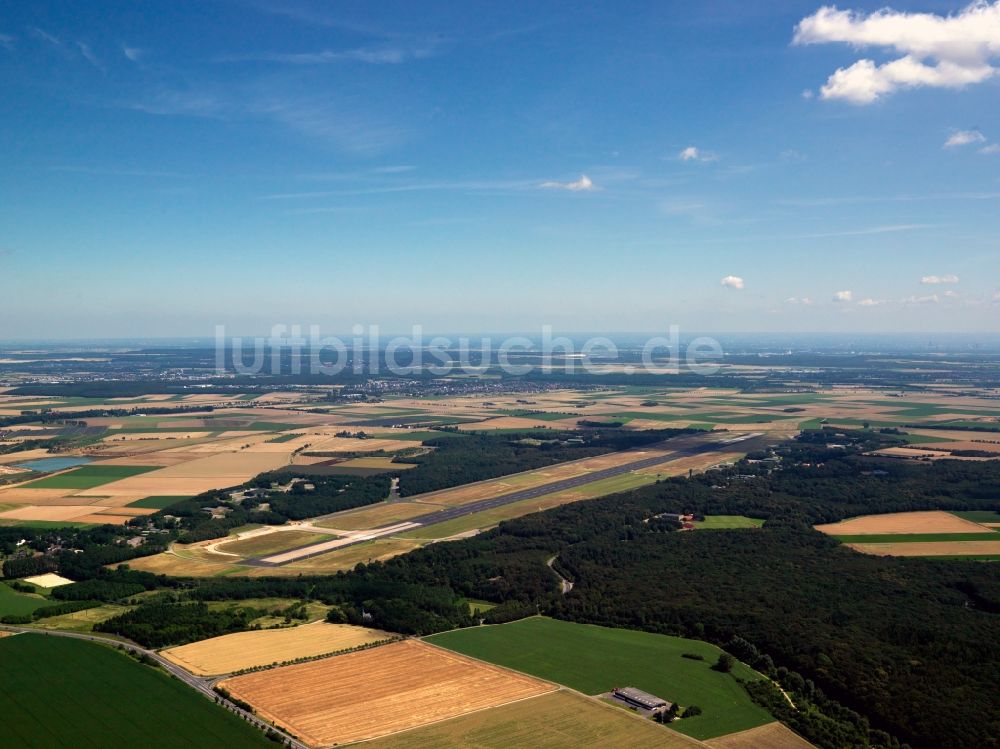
{"x":64,"y":512}
{"x":155,"y":437}
{"x":376,"y":462}
{"x":196,"y":476}
{"x":380,"y":691}
{"x":931,"y":548}
{"x":240,"y":650}
{"x":560,"y":720}
{"x":770,"y":736}
{"x":24,"y":455}
{"x":504,"y":422}
{"x":960,"y":435}
{"x":48,"y":580}
{"x":350,"y":445}
{"x":680,"y":421}
{"x":915,"y":453}
{"x":933,"y":521}
{"x":100,"y":519}
{"x":15,"y":495}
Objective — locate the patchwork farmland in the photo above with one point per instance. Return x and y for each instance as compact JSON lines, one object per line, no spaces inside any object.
{"x":920,"y":534}
{"x":560,"y":720}
{"x":375,"y":692}
{"x":139,"y":457}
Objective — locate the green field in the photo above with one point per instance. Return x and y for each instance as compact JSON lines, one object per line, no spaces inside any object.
{"x":728,"y":521}
{"x":595,"y":659}
{"x":59,"y":692}
{"x":89,"y":476}
{"x":18,"y":604}
{"x":82,"y":621}
{"x":923,"y":439}
{"x":475,"y":604}
{"x":979,"y":516}
{"x":156,"y":503}
{"x":904,"y":538}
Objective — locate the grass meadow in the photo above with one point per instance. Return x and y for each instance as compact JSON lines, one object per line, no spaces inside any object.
{"x":594,"y":660}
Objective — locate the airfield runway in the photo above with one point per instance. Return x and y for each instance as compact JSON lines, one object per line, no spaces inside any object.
{"x":450,"y":513}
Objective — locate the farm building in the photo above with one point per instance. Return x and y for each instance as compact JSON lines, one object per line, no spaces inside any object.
{"x":637,"y":698}
{"x":675,"y":517}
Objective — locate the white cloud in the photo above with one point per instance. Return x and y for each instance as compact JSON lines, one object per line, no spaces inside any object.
{"x":843,"y":296}
{"x":584,"y":184}
{"x":996,"y":296}
{"x":990,"y":149}
{"x":732,"y":282}
{"x":692,"y":153}
{"x":869,"y":302}
{"x":929,"y":299}
{"x":937,"y":51}
{"x":951,"y":294}
{"x":935,"y":280}
{"x":964,"y":138}
{"x":798,"y":300}
{"x":133,"y":53}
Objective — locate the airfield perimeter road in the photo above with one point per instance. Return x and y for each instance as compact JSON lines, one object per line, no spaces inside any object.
{"x":200,"y":685}
{"x":450,"y":513}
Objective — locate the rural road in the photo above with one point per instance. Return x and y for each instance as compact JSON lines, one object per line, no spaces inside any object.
{"x":200,"y":685}
{"x":450,"y":513}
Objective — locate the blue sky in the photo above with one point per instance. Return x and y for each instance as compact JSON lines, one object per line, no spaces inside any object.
{"x":596,"y":166}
